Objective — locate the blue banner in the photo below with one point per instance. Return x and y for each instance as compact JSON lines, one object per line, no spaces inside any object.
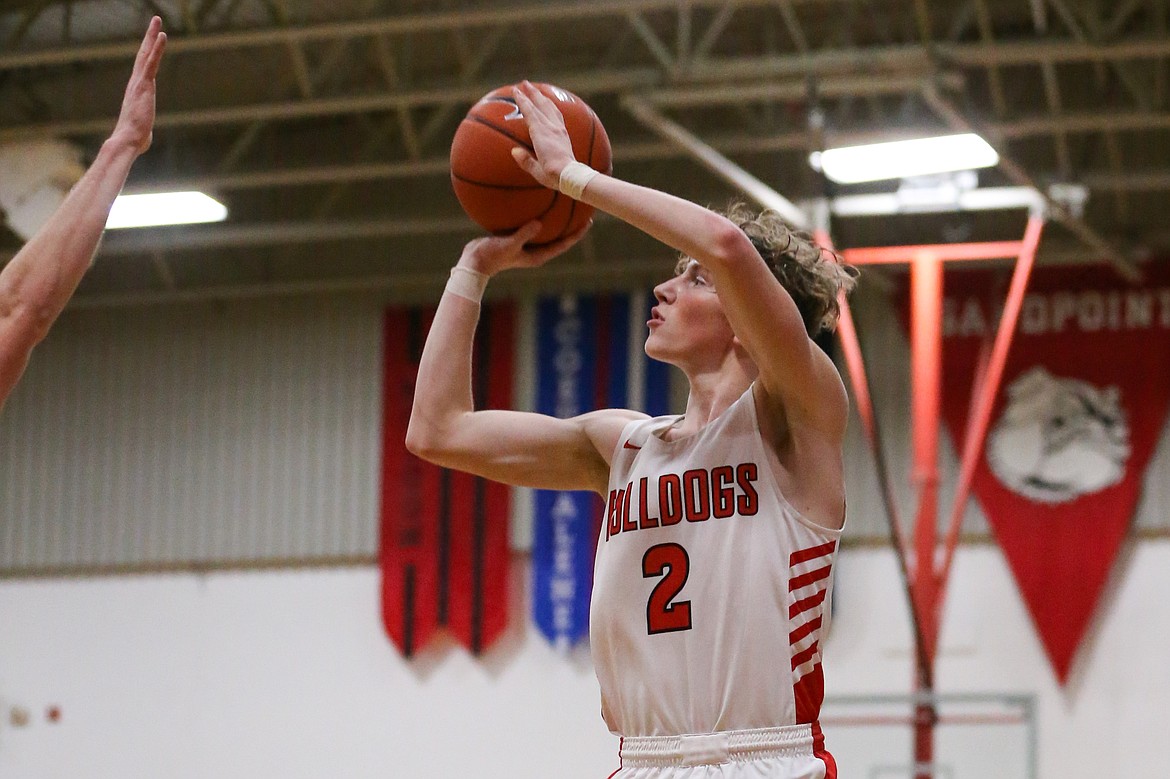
{"x":589,"y":356}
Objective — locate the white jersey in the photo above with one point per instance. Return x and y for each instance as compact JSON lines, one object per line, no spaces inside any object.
{"x":710,"y":592}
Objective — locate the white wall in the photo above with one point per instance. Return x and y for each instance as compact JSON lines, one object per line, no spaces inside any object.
{"x":1111,"y":719}
{"x":249,"y":430}
{"x":288,"y":674}
{"x":274,"y":405}
{"x":275,"y":674}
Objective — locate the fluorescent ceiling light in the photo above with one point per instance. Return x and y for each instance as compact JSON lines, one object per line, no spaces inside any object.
{"x":937,"y":200}
{"x":164,"y":208}
{"x":904,"y":159}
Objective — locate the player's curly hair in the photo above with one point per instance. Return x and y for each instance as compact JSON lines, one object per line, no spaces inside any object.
{"x":811,"y":274}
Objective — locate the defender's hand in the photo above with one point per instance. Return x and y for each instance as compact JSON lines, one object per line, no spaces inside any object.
{"x":136,"y":121}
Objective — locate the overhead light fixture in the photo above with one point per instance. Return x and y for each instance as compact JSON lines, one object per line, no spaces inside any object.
{"x":1072,"y":197}
{"x":164,"y":208}
{"x":904,"y":159}
{"x":35,"y":177}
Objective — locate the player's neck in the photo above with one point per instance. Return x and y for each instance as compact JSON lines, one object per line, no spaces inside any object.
{"x":712,"y":393}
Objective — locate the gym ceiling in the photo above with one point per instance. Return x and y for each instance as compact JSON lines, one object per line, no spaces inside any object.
{"x":325,"y":126}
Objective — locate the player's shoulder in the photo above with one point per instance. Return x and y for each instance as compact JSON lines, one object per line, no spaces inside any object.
{"x":604,"y":427}
{"x":609,"y":421}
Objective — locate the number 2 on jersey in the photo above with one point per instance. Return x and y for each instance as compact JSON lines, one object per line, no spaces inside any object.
{"x":663,"y":616}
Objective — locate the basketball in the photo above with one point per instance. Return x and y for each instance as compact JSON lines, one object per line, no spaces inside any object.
{"x":495,"y":192}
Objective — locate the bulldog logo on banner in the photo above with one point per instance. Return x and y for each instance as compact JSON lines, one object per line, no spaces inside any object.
{"x":1083,"y":403}
{"x":1058,"y":439}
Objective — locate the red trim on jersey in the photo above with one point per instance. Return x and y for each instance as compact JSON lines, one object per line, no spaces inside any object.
{"x":805,"y":579}
{"x":800,"y":658}
{"x":801,"y":555}
{"x":809,"y":693}
{"x":821,"y":753}
{"x":810,"y":602}
{"x":804,"y":630}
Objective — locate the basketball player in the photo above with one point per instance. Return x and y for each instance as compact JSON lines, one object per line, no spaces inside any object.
{"x":715,"y":559}
{"x":38,"y":282}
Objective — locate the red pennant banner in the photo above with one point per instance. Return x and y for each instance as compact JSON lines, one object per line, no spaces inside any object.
{"x":444,"y":534}
{"x":1080,"y":408}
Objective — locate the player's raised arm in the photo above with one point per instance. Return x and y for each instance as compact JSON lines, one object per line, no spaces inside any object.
{"x":513,"y":447}
{"x":763,"y":315}
{"x":38,"y":282}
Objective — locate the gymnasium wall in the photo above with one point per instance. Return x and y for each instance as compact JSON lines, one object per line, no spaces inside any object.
{"x":249,"y":431}
{"x":195,"y":434}
{"x":246,"y":433}
{"x":287,"y":673}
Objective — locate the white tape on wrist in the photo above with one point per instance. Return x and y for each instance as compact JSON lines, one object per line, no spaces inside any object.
{"x":574,"y":178}
{"x":467,"y":283}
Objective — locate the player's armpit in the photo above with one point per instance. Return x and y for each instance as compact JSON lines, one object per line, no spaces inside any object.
{"x":527,"y":449}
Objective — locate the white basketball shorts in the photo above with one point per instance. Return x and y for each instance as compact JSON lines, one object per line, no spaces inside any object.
{"x":764,"y":753}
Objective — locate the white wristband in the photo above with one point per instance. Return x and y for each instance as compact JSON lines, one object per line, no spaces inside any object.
{"x":574,"y":178}
{"x":467,"y":283}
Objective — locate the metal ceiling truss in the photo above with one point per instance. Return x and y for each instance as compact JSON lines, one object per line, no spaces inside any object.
{"x":690,"y":64}
{"x":911,"y":72}
{"x":665,"y":54}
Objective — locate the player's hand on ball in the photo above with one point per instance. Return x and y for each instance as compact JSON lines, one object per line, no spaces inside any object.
{"x":500,"y":194}
{"x":550,"y":139}
{"x":493,"y":254}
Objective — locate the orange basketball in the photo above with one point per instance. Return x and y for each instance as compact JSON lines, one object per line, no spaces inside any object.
{"x":495,"y":191}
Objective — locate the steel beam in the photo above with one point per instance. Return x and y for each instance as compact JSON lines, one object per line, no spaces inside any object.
{"x":627,"y":81}
{"x":410,"y":285}
{"x":794,"y":90}
{"x":582,"y":83}
{"x":978,"y":55}
{"x":528,"y":13}
{"x":717,"y":163}
{"x":1032,"y":51}
{"x":850,"y":205}
{"x":226,"y":236}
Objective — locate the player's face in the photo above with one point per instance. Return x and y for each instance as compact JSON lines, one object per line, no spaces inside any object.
{"x":688,"y":324}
